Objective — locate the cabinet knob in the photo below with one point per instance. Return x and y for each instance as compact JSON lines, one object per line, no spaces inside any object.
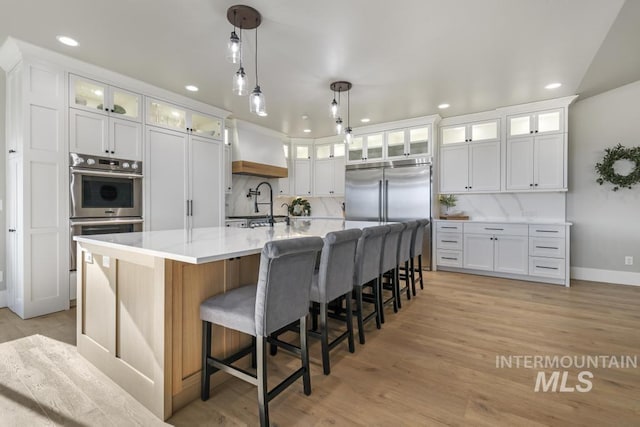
{"x":530,"y":185}
{"x":535,"y":185}
{"x":106,"y":151}
{"x":12,"y":151}
{"x":113,"y":152}
{"x":530,"y":131}
{"x":536,"y":130}
{"x":12,"y":230}
{"x":466,"y":187}
{"x":469,"y":187}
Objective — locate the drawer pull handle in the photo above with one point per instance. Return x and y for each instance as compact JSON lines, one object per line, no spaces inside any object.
{"x":546,"y":247}
{"x":449,"y":241}
{"x":547,"y":268}
{"x":455,"y":228}
{"x":547,"y":231}
{"x":451,"y":258}
{"x":490,"y":228}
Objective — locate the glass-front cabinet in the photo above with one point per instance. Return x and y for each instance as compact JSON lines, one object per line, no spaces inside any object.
{"x":485,"y":131}
{"x":542,"y":122}
{"x":366,"y":148}
{"x":175,"y":117}
{"x":403,"y":143}
{"x":91,"y":95}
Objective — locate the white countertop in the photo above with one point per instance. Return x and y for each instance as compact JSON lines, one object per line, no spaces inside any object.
{"x":203,"y":245}
{"x":540,"y":221}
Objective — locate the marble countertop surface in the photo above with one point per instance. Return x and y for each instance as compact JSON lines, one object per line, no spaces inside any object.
{"x":541,"y":221}
{"x":202,"y":245}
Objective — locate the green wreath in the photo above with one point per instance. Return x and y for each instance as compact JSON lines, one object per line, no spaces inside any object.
{"x":300,"y":207}
{"x":607,"y":173}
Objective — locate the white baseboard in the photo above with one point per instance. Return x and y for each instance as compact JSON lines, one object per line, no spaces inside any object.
{"x":3,"y":299}
{"x":607,"y":276}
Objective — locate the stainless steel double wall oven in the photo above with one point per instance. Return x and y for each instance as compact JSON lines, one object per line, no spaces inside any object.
{"x":105,"y":197}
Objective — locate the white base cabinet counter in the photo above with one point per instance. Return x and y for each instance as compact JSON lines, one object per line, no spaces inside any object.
{"x":526,"y":251}
{"x":138,"y":317}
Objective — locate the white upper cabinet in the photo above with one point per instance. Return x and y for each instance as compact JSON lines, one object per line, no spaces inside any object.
{"x":484,"y":131}
{"x":365,"y":148}
{"x":329,"y":169}
{"x":174,"y":117}
{"x":410,"y":142}
{"x":470,"y":157}
{"x":284,"y":184}
{"x":303,"y":173}
{"x":542,"y":122}
{"x":91,"y":95}
{"x":536,"y":163}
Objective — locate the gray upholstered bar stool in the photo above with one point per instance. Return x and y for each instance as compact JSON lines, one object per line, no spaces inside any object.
{"x":367,"y":272}
{"x":416,"y":252}
{"x":281,"y":297}
{"x":389,"y":267}
{"x":333,"y":280}
{"x":404,"y":257}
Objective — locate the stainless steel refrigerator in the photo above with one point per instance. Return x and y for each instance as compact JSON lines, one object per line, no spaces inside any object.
{"x":390,"y":191}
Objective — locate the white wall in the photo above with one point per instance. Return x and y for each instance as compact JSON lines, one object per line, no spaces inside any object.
{"x":3,"y":175}
{"x":606,"y":223}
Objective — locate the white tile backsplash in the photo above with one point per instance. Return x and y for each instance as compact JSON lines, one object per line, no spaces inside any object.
{"x":237,"y":203}
{"x":513,"y":206}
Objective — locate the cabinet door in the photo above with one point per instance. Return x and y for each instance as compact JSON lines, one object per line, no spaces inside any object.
{"x":520,"y":125}
{"x":356,"y":150}
{"x":374,"y":145}
{"x":419,"y":141}
{"x":511,"y":254}
{"x":520,"y":163}
{"x":484,"y":167}
{"x":323,"y":177}
{"x":166,"y":115}
{"x":165,"y":178}
{"x":125,"y":104}
{"x":205,"y":176}
{"x":206,"y":126}
{"x":454,"y":134}
{"x":338,"y":176}
{"x":484,"y":131}
{"x":125,"y":139}
{"x":548,"y":122}
{"x":88,"y":132}
{"x":284,"y":184}
{"x":87,"y":94}
{"x":13,"y":203}
{"x":396,"y":144}
{"x":478,"y":251}
{"x":227,"y":169}
{"x":302,"y":182}
{"x":548,"y":162}
{"x":454,"y":169}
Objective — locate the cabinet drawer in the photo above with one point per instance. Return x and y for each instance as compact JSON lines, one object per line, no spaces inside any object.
{"x":449,"y":227}
{"x":546,"y":247}
{"x":547,"y":267}
{"x":449,"y":258}
{"x":496,"y":229}
{"x":547,"y":230}
{"x":451,"y":241}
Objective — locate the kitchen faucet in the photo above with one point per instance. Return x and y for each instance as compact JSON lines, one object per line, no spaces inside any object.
{"x":256,"y":193}
{"x":287,"y":219}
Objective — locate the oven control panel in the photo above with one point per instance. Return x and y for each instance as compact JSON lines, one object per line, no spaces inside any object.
{"x":83,"y":161}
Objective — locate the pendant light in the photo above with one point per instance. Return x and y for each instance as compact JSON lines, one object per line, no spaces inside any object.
{"x":234,"y":45}
{"x":240,"y":78}
{"x":341,"y":86}
{"x":256,"y":100}
{"x":334,"y":106}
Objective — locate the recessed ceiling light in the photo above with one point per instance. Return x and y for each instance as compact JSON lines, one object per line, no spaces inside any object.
{"x":191,"y":88}
{"x":307,"y":131}
{"x":443,"y":106}
{"x":67,"y":41}
{"x":305,"y":117}
{"x":365,"y":120}
{"x":553,"y":86}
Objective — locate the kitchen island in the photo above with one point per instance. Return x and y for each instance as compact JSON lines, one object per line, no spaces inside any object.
{"x":139,"y":295}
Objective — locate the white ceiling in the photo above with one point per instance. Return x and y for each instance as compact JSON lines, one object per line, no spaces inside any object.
{"x":403,"y":57}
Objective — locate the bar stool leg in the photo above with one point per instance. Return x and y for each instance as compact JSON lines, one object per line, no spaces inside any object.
{"x":324,"y":339}
{"x":420,"y":271}
{"x":254,"y":359}
{"x":358,"y":290}
{"x":379,"y":298}
{"x":263,"y":391}
{"x":349,"y":323}
{"x":408,"y":279}
{"x":304,"y":354}
{"x":396,"y":289}
{"x":206,"y":353}
{"x":413,"y":276}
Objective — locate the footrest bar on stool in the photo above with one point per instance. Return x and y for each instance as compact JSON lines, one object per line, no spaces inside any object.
{"x":284,"y":384}
{"x":236,"y":372}
{"x":285,"y":345}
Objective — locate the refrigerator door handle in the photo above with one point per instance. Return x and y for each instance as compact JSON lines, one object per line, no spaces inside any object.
{"x":386,"y":200}
{"x":380,"y":200}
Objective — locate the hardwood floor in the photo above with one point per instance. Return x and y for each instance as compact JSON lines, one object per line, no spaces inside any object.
{"x":434,"y":363}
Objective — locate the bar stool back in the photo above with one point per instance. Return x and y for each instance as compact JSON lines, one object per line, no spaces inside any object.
{"x":367,"y":270}
{"x":416,"y":251}
{"x":389,"y":264}
{"x":280,"y":297}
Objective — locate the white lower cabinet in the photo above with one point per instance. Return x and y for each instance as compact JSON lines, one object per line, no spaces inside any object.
{"x":523,"y":251}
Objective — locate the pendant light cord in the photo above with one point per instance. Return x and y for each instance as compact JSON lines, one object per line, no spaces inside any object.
{"x":257,"y":56}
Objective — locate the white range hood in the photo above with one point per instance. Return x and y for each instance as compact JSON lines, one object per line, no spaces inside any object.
{"x":258,"y":151}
